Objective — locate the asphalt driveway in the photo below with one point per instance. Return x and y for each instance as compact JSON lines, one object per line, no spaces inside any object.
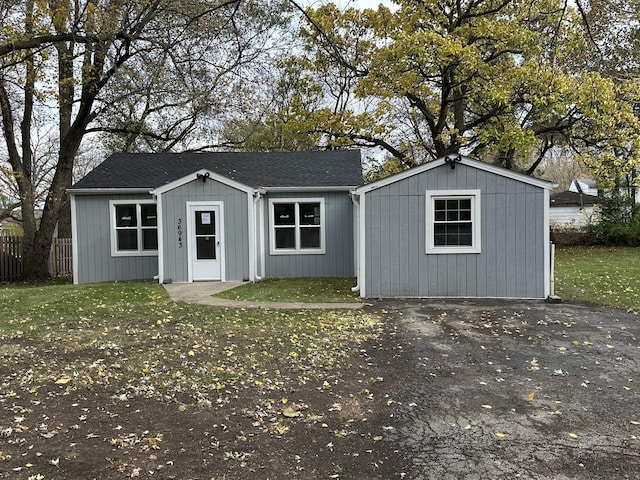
{"x":509,"y":390}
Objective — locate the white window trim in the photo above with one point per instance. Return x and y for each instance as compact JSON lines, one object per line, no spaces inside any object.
{"x":297,"y":250}
{"x":474,"y":196}
{"x":112,"y":228}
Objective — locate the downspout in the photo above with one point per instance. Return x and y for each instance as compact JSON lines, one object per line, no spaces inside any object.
{"x":355,"y":198}
{"x":160,"y":225}
{"x":259,"y":222}
{"x":552,"y":282}
{"x":251,"y":225}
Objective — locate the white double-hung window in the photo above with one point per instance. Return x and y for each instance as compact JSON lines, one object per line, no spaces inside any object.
{"x":297,"y":226}
{"x":134,"y":227}
{"x":453,"y":221}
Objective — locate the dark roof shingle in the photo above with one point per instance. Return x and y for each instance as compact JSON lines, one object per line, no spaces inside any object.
{"x":568,"y":198}
{"x":337,"y":168}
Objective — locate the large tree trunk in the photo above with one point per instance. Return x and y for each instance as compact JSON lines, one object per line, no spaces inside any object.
{"x":65,"y":108}
{"x":57,"y":208}
{"x":64,"y":220}
{"x":37,"y":258}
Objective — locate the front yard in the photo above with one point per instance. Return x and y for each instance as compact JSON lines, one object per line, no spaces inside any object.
{"x":117,"y":381}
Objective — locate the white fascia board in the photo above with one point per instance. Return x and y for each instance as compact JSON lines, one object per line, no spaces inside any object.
{"x":194,"y":176}
{"x":487,"y":167}
{"x":521,"y":177}
{"x":106,"y":191}
{"x":398,"y":177}
{"x":346,"y":188}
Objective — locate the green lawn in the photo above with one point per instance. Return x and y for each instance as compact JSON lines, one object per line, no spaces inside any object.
{"x":120,"y":367}
{"x":602,"y":275}
{"x":306,"y":290}
{"x":166,"y":337}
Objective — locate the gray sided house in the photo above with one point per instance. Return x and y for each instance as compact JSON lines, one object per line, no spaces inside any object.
{"x":454,"y":227}
{"x":216,"y":216}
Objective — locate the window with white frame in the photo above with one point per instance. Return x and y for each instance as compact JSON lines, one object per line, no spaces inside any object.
{"x":134,"y":228}
{"x":453,"y":221}
{"x":297,"y":226}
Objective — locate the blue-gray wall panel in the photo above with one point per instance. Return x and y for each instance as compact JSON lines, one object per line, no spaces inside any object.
{"x":236,"y":228}
{"x":338,"y":259}
{"x":511,"y":262}
{"x":93,"y":237}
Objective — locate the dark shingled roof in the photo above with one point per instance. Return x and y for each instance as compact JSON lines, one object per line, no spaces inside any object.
{"x":337,"y":168}
{"x":568,"y":198}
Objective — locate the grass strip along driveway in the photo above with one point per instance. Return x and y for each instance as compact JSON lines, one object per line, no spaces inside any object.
{"x":117,"y":381}
{"x":600,"y":275}
{"x":307,"y":290}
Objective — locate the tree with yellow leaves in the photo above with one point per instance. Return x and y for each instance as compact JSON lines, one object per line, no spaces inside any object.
{"x":487,"y":78}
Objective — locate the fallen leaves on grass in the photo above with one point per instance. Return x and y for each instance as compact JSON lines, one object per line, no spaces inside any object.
{"x":139,"y":346}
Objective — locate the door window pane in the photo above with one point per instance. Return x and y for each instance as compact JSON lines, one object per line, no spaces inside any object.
{"x":205,"y":223}
{"x":206,"y":248}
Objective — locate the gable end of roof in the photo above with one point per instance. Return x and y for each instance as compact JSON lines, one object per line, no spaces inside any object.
{"x":462,"y":160}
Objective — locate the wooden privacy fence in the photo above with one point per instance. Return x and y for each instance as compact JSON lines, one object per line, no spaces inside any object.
{"x":60,"y":258}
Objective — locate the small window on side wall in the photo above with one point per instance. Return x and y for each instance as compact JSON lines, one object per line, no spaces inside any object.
{"x":453,"y":221}
{"x":134,"y":228}
{"x":297,"y":226}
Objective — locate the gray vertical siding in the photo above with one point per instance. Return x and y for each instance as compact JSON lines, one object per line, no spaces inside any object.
{"x":338,"y":259}
{"x":236,"y":228}
{"x":511,"y":262}
{"x":93,"y":237}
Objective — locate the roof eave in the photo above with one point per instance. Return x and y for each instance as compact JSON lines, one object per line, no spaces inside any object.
{"x":330,"y":188}
{"x":205,"y":175}
{"x":107,"y":191}
{"x":464,"y":161}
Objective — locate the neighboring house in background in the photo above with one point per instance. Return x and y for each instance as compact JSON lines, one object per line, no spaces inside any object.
{"x":584,"y":186}
{"x":588,"y":187}
{"x":571,"y":208}
{"x":215,"y":216}
{"x":453,"y":227}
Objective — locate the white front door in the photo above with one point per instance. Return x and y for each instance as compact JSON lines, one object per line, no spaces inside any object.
{"x":205,"y":241}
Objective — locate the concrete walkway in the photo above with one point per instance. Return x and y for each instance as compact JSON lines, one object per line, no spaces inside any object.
{"x":203,"y":293}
